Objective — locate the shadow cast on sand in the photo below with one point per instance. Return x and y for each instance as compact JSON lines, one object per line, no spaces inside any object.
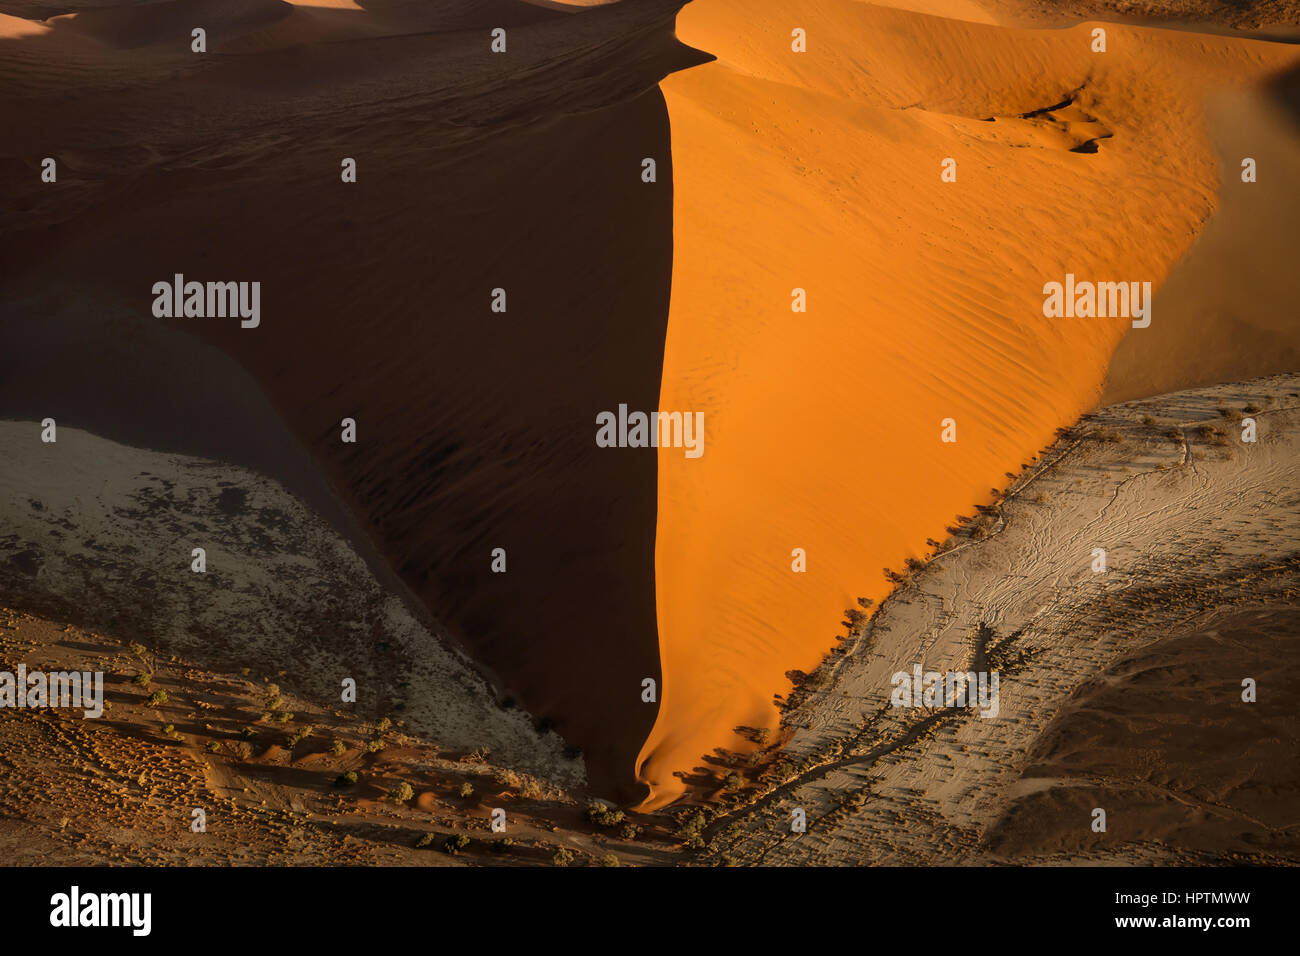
{"x":475,"y":427}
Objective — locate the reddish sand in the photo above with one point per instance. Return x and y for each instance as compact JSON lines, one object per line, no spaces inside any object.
{"x":821,"y":170}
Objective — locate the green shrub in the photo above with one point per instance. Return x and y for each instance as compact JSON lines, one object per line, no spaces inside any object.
{"x":402,"y":792}
{"x":604,"y":816}
{"x":455,"y":843}
{"x":348,"y":779}
{"x":158,"y":698}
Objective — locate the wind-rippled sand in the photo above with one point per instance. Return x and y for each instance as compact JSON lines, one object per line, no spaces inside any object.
{"x":821,"y":170}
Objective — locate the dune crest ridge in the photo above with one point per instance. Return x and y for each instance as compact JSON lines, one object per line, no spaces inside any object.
{"x":821,"y":171}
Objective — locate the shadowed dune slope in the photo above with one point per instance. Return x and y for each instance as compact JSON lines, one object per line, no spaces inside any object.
{"x":475,"y":172}
{"x":1228,"y":311}
{"x":821,"y":171}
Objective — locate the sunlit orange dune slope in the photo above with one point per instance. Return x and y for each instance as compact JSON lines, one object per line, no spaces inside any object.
{"x":821,"y":171}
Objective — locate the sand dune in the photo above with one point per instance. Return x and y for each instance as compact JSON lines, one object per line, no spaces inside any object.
{"x":95,"y":531}
{"x":1120,"y":690}
{"x":1229,"y":307}
{"x":776,"y":170}
{"x":475,"y":427}
{"x":821,"y":170}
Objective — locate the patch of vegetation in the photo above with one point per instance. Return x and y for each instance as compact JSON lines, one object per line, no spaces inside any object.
{"x":158,"y":698}
{"x":562,"y":857}
{"x":605,"y":816}
{"x":348,"y":779}
{"x":690,"y":828}
{"x":455,"y":843}
{"x":402,"y":792}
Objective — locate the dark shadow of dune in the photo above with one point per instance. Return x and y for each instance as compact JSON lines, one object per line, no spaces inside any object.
{"x":475,"y":428}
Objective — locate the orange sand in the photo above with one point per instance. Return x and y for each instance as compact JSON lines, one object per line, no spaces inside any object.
{"x":821,"y":170}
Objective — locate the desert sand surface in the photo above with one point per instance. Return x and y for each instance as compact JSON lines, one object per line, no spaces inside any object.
{"x":102,"y":534}
{"x":270,"y":772}
{"x":776,"y":171}
{"x":475,"y":172}
{"x":820,"y":171}
{"x":1231,"y":304}
{"x":1119,"y":689}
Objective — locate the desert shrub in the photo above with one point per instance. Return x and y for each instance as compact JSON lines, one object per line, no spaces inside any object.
{"x":603,"y":815}
{"x":609,"y":859}
{"x":502,"y":845}
{"x":338,"y":748}
{"x":284,"y":716}
{"x":143,"y":679}
{"x":213,"y":747}
{"x":348,"y":779}
{"x":248,"y":733}
{"x":455,"y":843}
{"x":467,"y":789}
{"x":402,"y":792}
{"x":425,"y":840}
{"x":691,"y":825}
{"x":382,"y":725}
{"x":158,"y":698}
{"x":1148,"y":421}
{"x":562,"y":857}
{"x":169,"y":729}
{"x":374,"y":746}
{"x":630,"y":831}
